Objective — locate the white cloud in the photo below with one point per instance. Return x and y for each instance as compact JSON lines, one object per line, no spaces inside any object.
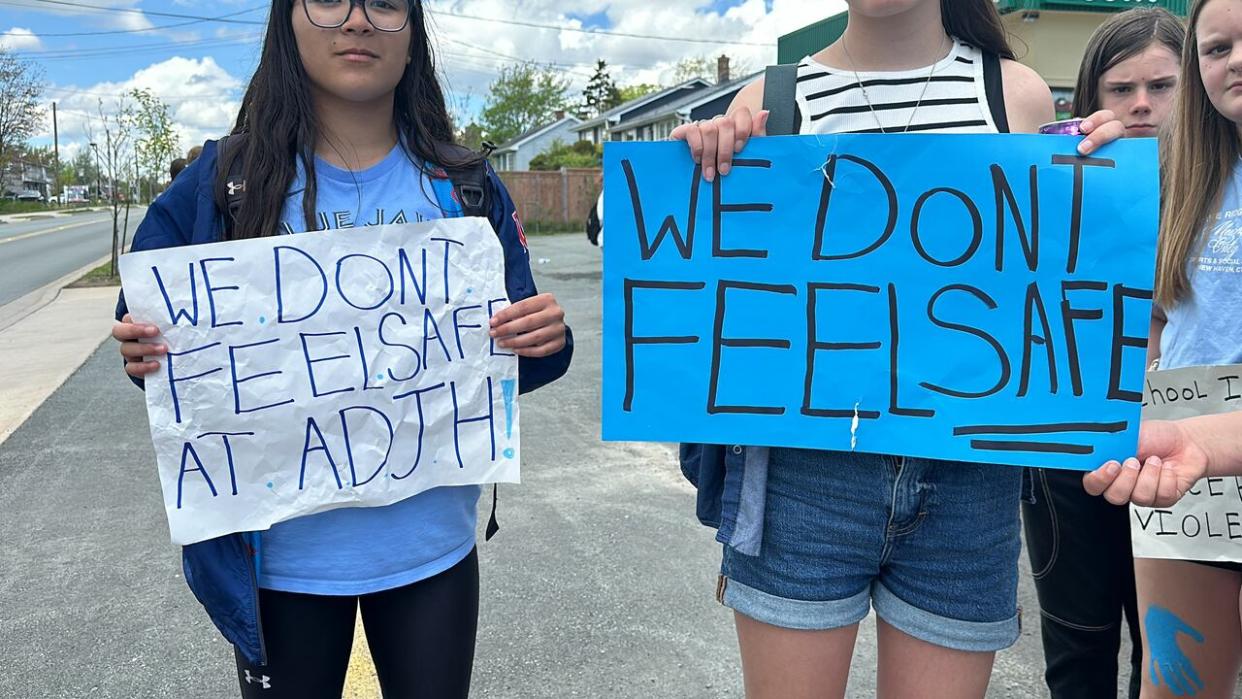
{"x":19,"y":39}
{"x":202,"y":97}
{"x":106,"y":19}
{"x":634,"y":60}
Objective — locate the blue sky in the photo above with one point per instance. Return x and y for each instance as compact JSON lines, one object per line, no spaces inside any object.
{"x":200,"y":67}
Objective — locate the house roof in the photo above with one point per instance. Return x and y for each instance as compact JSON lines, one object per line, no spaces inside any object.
{"x":536,"y":133}
{"x":616,"y":113}
{"x":695,"y":100}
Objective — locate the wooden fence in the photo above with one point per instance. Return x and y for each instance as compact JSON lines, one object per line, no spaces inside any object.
{"x":558,"y":200}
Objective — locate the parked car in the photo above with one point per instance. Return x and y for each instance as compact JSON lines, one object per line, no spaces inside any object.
{"x":29,"y":195}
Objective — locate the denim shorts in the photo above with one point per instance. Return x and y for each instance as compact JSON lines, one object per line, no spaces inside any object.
{"x":932,"y":545}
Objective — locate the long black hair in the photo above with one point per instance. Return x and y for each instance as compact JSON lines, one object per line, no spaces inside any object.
{"x":1120,"y":37}
{"x":279,"y":119}
{"x":978,"y":23}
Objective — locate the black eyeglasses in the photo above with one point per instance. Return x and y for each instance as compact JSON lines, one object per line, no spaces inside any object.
{"x":384,"y":15}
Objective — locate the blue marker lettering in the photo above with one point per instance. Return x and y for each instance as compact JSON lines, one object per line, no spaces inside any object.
{"x":349,"y":450}
{"x":323,"y":446}
{"x":340,"y":288}
{"x":418,"y":359}
{"x":176,"y":315}
{"x":280,"y":291}
{"x":429,"y":324}
{"x":447,"y":242}
{"x":211,"y":291}
{"x":237,"y":409}
{"x":310,"y":362}
{"x":187,"y":450}
{"x":418,"y":403}
{"x":458,"y":421}
{"x":174,"y":380}
{"x":458,"y":326}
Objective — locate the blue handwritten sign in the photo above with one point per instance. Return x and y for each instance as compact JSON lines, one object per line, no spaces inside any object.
{"x":322,"y":370}
{"x":980,"y":298}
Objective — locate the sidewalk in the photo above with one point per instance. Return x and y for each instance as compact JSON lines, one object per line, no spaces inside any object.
{"x":50,"y":213}
{"x":44,"y":345}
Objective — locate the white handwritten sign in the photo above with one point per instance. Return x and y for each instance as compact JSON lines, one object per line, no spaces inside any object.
{"x":325,"y":370}
{"x":1206,"y":525}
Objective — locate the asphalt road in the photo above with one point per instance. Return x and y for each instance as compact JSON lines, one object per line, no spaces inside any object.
{"x":600,"y":583}
{"x":37,"y":252}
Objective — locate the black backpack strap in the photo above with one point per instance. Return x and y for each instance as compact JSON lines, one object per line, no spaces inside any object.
{"x":230,"y":151}
{"x":994,"y":89}
{"x":468,"y":172}
{"x":780,"y":99}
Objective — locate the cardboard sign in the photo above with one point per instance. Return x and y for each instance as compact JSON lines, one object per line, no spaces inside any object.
{"x":324,"y":370}
{"x":1206,"y":524}
{"x":981,"y":298}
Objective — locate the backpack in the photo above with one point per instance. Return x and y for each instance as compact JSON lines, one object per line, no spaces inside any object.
{"x":470,"y":189}
{"x":593,"y":226}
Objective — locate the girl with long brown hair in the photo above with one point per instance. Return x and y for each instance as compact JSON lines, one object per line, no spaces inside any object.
{"x":1190,"y":610}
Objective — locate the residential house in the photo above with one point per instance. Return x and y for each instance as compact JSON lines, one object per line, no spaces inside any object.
{"x":21,"y":176}
{"x":611,"y":125}
{"x":657,"y":124}
{"x":517,"y":154}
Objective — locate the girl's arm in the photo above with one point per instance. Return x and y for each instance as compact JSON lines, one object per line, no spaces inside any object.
{"x":1173,"y":456}
{"x":533,"y":327}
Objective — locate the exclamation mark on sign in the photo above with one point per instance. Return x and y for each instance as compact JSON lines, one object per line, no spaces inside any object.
{"x":508,"y":387}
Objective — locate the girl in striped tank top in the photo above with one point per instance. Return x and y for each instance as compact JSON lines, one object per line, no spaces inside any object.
{"x":932,"y":546}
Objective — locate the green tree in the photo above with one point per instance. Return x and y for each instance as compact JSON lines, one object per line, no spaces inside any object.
{"x":80,"y":169}
{"x":116,"y":164}
{"x":630,"y":93}
{"x":21,"y":86}
{"x":524,"y":96}
{"x":156,"y":142}
{"x":561,"y":154}
{"x":601,"y":93}
{"x":471,"y":136}
{"x":705,"y":67}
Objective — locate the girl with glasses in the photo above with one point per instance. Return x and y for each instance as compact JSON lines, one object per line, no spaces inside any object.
{"x":344,"y":123}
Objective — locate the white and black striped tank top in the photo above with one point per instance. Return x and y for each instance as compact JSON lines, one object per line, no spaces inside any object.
{"x":964,"y":95}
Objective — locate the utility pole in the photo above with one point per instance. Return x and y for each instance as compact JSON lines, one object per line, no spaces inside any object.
{"x":56,"y":146}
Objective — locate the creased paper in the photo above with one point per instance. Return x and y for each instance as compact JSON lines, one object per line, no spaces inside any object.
{"x":323,"y":370}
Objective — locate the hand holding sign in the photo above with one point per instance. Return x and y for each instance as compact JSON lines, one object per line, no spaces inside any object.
{"x":714,"y":142}
{"x":135,"y":352}
{"x":1170,"y":461}
{"x":533,"y":327}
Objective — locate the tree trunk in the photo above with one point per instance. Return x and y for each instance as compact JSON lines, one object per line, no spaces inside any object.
{"x":116,"y":236}
{"x":125,"y":229}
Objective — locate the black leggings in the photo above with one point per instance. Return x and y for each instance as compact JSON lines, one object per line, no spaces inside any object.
{"x":421,"y":637}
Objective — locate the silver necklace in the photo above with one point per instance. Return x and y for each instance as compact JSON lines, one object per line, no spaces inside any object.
{"x":867,"y":97}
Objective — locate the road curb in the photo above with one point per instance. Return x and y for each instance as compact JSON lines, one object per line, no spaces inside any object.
{"x":20,"y":309}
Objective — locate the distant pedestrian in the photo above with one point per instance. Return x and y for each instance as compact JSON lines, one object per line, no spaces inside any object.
{"x":175,"y":168}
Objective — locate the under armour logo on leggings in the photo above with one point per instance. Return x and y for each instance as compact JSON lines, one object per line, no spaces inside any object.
{"x":264,"y":680}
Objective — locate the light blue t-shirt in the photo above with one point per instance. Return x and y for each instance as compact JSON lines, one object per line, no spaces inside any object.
{"x":356,"y":551}
{"x":1206,"y":328}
